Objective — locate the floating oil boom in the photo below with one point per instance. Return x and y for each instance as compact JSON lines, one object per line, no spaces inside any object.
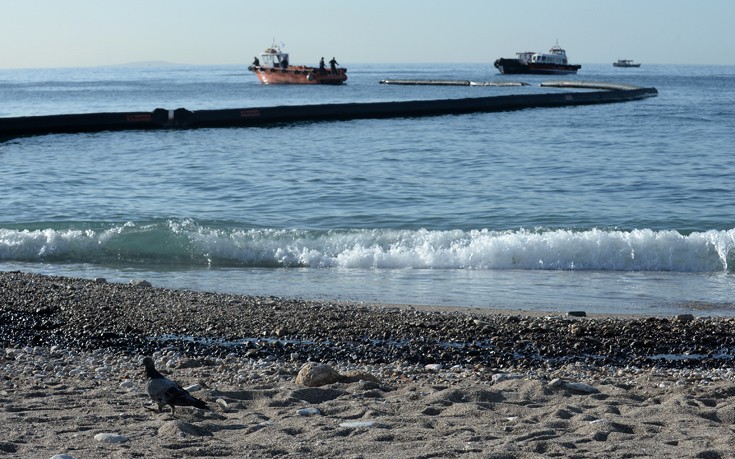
{"x":597,"y":93}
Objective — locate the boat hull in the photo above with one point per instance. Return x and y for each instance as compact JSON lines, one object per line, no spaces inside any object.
{"x":615,"y":64}
{"x":298,"y":75}
{"x":516,"y":67}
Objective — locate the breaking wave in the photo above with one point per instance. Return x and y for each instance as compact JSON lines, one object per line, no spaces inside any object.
{"x":190,"y":243}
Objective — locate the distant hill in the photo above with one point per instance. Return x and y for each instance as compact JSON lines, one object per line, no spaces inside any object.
{"x":148,"y":64}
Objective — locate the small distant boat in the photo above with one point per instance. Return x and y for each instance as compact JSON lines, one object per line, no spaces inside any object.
{"x":626,"y":63}
{"x":273,"y":68}
{"x":529,"y":62}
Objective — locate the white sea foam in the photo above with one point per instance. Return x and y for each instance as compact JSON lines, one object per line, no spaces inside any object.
{"x":186,"y":242}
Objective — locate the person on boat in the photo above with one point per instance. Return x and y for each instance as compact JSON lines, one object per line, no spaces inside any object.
{"x":256,"y":62}
{"x":333,"y":63}
{"x":284,"y":63}
{"x":322,"y":67}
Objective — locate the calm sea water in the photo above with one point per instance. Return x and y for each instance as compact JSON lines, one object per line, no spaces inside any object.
{"x":621,"y":208}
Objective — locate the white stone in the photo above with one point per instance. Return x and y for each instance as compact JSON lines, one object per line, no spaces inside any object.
{"x":308,"y":411}
{"x":62,"y":456}
{"x":357,"y":424}
{"x":110,"y":438}
{"x":581,"y":387}
{"x":140,"y":283}
{"x":434,"y":366}
{"x":193,"y":388}
{"x":498,"y":377}
{"x":127,"y":385}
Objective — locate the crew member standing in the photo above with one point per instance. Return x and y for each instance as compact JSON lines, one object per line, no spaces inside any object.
{"x":333,"y":63}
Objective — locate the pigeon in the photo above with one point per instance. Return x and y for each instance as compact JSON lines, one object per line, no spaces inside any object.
{"x":163,"y":391}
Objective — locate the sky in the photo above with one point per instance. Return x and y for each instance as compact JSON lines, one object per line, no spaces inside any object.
{"x":80,"y":33}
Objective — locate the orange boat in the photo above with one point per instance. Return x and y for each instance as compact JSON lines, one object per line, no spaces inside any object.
{"x":273,"y":68}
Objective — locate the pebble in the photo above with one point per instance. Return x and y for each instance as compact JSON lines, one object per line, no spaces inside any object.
{"x":357,"y":424}
{"x":556,"y":382}
{"x":127,"y":385}
{"x":499,"y":377}
{"x":193,"y":388}
{"x":73,"y":340}
{"x":575,"y":386}
{"x":140,"y":283}
{"x":308,"y":411}
{"x":684,"y":318}
{"x":110,"y":438}
{"x":222,"y":404}
{"x":62,"y":456}
{"x":581,"y":387}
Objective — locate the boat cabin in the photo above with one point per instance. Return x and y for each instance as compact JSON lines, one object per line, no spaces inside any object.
{"x":557,"y":56}
{"x":274,"y":57}
{"x":525,"y":57}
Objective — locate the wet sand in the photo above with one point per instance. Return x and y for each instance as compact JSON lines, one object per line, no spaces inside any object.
{"x":444,"y":382}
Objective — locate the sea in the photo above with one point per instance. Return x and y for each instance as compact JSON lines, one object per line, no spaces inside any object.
{"x":624,"y":208}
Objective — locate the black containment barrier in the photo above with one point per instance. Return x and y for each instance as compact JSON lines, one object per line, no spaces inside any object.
{"x":596,"y":93}
{"x":85,"y":122}
{"x":452,"y":83}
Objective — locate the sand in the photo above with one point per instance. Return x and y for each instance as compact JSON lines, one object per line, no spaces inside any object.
{"x":57,"y":399}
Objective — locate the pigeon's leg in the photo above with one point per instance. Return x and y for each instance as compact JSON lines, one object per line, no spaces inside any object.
{"x":172,"y":410}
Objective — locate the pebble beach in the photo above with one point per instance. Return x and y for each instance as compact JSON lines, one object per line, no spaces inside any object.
{"x":411,"y":382}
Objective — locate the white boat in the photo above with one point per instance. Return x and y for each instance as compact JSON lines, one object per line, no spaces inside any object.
{"x":626,"y":63}
{"x":554,"y":62}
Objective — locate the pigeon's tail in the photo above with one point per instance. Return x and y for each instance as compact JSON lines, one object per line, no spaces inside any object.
{"x":199,"y":404}
{"x":193,"y":401}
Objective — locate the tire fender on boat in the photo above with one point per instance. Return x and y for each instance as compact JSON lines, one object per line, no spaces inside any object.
{"x":310,"y":77}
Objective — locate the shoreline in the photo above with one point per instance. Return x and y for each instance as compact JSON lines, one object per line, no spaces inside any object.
{"x":450,"y":383}
{"x":136,"y":318}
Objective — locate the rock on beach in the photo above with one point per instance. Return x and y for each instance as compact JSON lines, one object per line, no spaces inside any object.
{"x":107,"y":437}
